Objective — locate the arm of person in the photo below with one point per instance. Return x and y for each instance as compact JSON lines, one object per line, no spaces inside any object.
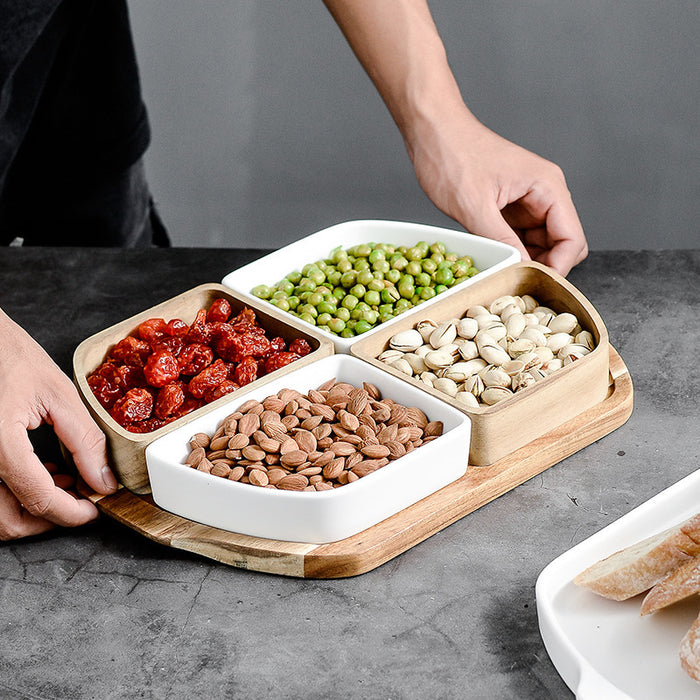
{"x":489,"y":185}
{"x":33,"y":390}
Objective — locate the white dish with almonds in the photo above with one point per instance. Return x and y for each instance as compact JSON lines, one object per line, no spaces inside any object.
{"x":604,"y":648}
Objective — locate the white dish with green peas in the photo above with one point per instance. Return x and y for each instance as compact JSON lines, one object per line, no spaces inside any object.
{"x":348,"y":279}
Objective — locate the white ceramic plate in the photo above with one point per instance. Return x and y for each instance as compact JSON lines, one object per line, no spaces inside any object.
{"x":488,"y":257}
{"x":319,"y":517}
{"x":604,"y":648}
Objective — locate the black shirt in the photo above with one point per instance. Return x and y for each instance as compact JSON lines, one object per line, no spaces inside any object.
{"x":71,"y":112}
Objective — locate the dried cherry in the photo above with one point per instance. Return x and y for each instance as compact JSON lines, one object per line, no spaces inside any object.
{"x":194,"y":358}
{"x":135,"y":405}
{"x":219,"y":311}
{"x":161,"y":368}
{"x":169,"y":400}
{"x":209,"y":378}
{"x":280,"y":359}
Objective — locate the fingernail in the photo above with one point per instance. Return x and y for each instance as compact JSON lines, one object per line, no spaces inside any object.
{"x":108,"y":479}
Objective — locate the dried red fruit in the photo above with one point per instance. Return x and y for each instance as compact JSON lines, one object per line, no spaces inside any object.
{"x":152,"y":329}
{"x":135,"y":405}
{"x":131,"y":351}
{"x":169,"y":400}
{"x":171,"y":343}
{"x":194,"y":358}
{"x":246,"y":371}
{"x":280,"y":359}
{"x":219,"y":311}
{"x":105,"y":392}
{"x":208,"y":378}
{"x":300,"y":346}
{"x":278,"y":344}
{"x":226,"y":387}
{"x":176,"y":327}
{"x":161,"y":368}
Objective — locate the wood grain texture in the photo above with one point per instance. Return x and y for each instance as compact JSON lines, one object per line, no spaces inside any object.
{"x":386,"y":540}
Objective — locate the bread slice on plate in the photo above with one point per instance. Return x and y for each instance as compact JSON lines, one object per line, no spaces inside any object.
{"x":689,"y":651}
{"x":640,"y":566}
{"x":678,"y":585}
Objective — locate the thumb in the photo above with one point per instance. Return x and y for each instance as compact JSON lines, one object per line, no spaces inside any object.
{"x":75,"y":428}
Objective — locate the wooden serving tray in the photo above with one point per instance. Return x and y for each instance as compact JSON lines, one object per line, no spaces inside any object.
{"x":389,"y":538}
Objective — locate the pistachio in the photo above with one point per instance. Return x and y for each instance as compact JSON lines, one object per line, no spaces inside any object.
{"x":466,"y":399}
{"x":425,"y":328}
{"x":438,"y":359}
{"x":406,"y":341}
{"x":493,"y":394}
{"x":444,"y":334}
{"x":467,"y":328}
{"x":446,"y":385}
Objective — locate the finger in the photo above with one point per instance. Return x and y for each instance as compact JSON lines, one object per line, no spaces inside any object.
{"x":33,"y":486}
{"x":490,"y":224}
{"x":568,"y":245}
{"x":83,"y":439}
{"x":15,"y":521}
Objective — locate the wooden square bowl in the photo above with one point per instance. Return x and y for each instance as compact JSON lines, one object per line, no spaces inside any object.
{"x":506,"y":426}
{"x":126,"y":449}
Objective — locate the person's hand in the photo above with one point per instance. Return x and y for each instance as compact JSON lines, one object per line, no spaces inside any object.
{"x":33,"y":390}
{"x":489,"y":185}
{"x":497,"y":189}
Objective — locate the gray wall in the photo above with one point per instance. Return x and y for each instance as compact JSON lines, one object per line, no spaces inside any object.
{"x":266,"y":128}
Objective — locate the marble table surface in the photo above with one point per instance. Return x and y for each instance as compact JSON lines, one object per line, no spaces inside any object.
{"x":102,"y":612}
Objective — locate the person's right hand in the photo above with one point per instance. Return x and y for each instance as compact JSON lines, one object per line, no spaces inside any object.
{"x":33,"y":390}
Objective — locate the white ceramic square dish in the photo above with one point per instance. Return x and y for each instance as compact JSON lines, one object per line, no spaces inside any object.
{"x":488,"y":256}
{"x":323,"y":516}
{"x":604,"y":648}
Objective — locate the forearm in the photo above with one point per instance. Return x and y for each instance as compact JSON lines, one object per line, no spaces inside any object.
{"x":399,"y":47}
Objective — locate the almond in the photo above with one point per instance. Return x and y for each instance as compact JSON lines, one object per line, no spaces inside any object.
{"x":322,"y":431}
{"x":258,"y":477}
{"x":289,"y":444}
{"x":199,"y":440}
{"x":233,"y":454}
{"x":236,"y":473}
{"x":238,"y":441}
{"x":325,"y":443}
{"x":367,"y":466}
{"x":269,"y":417}
{"x":250,"y":405}
{"x":274,"y":475}
{"x":323,"y":486}
{"x":204,"y":466}
{"x":248,"y":424}
{"x":311,"y":422}
{"x":375,"y":451}
{"x":320,"y":409}
{"x":309,"y":471}
{"x":303,"y":414}
{"x":353,"y":459}
{"x":230,"y":425}
{"x":291,"y":407}
{"x":324,"y":459}
{"x":276,"y":430}
{"x":220,"y":443}
{"x":274,"y":403}
{"x":372,"y":391}
{"x":268,"y":444}
{"x":396,"y":449}
{"x":333,"y":469}
{"x":434,"y":428}
{"x":290,"y":422}
{"x":306,"y":440}
{"x":254,"y":453}
{"x":316,"y":396}
{"x":342,"y":449}
{"x":293,"y":482}
{"x":398,"y":413}
{"x":328,"y":384}
{"x":417,"y":416}
{"x":293,"y":458}
{"x":196,"y":456}
{"x":349,"y":421}
{"x":288,"y":395}
{"x":220,"y":468}
{"x":358,"y":401}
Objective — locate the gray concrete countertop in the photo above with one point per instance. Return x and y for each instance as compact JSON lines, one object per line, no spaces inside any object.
{"x":102,"y":612}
